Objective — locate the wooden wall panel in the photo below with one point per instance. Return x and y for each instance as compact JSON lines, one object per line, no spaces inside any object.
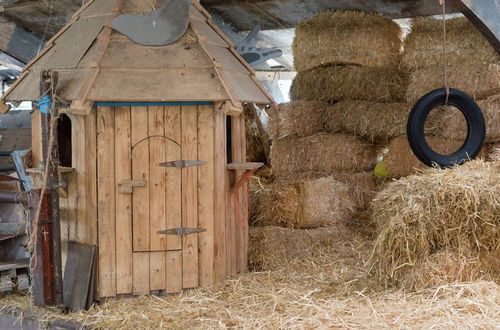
{"x":123,"y":172}
{"x":189,"y":120}
{"x":106,"y":202}
{"x":220,"y":242}
{"x":206,"y":141}
{"x":79,"y":179}
{"x":91,"y":175}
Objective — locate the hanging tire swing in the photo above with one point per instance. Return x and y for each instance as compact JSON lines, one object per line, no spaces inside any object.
{"x":476,"y":128}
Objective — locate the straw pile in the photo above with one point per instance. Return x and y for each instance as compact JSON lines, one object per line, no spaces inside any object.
{"x":494,"y":152}
{"x":401,"y":161}
{"x":439,"y":211}
{"x":303,"y":203}
{"x":466,"y":46}
{"x":334,"y":83}
{"x":297,"y":119}
{"x":346,"y":38}
{"x":479,"y":81}
{"x":455,"y":126}
{"x":326,"y":153}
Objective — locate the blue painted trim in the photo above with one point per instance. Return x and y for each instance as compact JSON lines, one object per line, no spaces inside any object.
{"x":150,"y":104}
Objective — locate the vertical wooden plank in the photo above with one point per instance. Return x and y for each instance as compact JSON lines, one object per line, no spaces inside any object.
{"x":141,"y":272}
{"x":140,"y":200}
{"x":206,"y":141}
{"x":157,"y":270}
{"x":189,"y":120}
{"x":220,"y":246}
{"x":173,"y":199}
{"x":91,"y":175}
{"x":157,"y":209}
{"x":78,"y":163}
{"x":106,"y":201}
{"x":173,"y":176}
{"x":140,"y":171}
{"x":123,"y":171}
{"x":244,"y":201}
{"x":174,"y":271}
{"x":36,"y":138}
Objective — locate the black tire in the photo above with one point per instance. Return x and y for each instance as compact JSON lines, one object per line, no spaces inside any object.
{"x":476,"y":128}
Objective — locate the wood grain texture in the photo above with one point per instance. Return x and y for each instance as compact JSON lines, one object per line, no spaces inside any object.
{"x":140,"y":171}
{"x":106,"y":202}
{"x":123,"y":161}
{"x":141,"y":273}
{"x":189,"y":119}
{"x":157,"y":273}
{"x":78,"y":163}
{"x":36,"y":138}
{"x":91,"y":175}
{"x":174,"y":271}
{"x":206,"y":142}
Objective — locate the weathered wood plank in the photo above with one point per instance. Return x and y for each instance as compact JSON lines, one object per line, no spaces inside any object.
{"x":106,"y":202}
{"x":206,"y":141}
{"x":157,"y":273}
{"x":123,"y":161}
{"x":78,"y":133}
{"x":91,"y":175}
{"x":141,"y":273}
{"x":220,"y":246}
{"x":36,"y":138}
{"x":189,"y":119}
{"x":140,"y":171}
{"x":174,"y":271}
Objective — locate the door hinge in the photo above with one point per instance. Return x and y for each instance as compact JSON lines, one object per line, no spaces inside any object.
{"x":182,"y":163}
{"x":181,"y":231}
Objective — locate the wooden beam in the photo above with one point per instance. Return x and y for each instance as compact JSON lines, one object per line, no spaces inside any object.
{"x":485,"y":15}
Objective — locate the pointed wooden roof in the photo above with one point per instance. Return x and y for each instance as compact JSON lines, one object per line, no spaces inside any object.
{"x":96,"y":63}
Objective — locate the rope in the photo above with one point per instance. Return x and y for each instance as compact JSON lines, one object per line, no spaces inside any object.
{"x":445,"y":64}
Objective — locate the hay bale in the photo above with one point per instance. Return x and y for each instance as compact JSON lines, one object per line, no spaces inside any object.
{"x":465,"y":44}
{"x":401,"y":161}
{"x":303,"y":203}
{"x":455,"y":126}
{"x":273,"y":247}
{"x":448,"y":267}
{"x":494,"y":152}
{"x":440,"y":210}
{"x":479,"y":81}
{"x":297,"y":119}
{"x":346,"y":37}
{"x":334,"y":83}
{"x":257,"y":139}
{"x":327,"y":153}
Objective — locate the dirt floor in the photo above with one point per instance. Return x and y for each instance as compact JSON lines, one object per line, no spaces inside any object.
{"x":324,"y":290}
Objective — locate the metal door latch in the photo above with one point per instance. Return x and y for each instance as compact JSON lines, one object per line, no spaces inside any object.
{"x":182,"y":163}
{"x":181,"y":231}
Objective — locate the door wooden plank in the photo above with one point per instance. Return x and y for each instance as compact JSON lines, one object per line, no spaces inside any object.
{"x":123,"y":201}
{"x":157,"y":208}
{"x":174,"y":271}
{"x":141,"y":272}
{"x":243,"y":195}
{"x":189,"y":120}
{"x":157,"y":270}
{"x":140,"y":171}
{"x":157,"y":178}
{"x":173,"y":176}
{"x":91,"y":173}
{"x":106,"y":202}
{"x":140,"y":200}
{"x":206,"y":141}
{"x":220,"y":246}
{"x":80,"y":178}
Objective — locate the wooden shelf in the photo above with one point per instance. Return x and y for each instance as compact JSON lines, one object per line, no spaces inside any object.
{"x":60,"y":170}
{"x":244,"y":166}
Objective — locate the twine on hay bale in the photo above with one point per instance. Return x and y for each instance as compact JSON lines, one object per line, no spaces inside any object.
{"x":455,"y":126}
{"x":334,"y":83}
{"x":346,"y":37}
{"x":479,"y":81}
{"x":439,"y":210}
{"x":401,"y":161}
{"x":328,"y":153}
{"x":465,"y":45}
{"x":297,"y":119}
{"x":303,"y":203}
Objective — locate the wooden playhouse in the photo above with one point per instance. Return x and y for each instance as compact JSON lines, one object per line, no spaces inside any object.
{"x":152,"y":142}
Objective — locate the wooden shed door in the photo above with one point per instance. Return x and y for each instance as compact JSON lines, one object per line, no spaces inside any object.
{"x":157,"y":205}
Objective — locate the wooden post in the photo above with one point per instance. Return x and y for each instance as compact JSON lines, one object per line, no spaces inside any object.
{"x":48,"y":82}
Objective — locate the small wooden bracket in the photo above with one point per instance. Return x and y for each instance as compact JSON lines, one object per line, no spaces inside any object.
{"x":4,"y":108}
{"x":231,"y":110}
{"x":125,"y":187}
{"x":79,"y":107}
{"x":250,"y":166}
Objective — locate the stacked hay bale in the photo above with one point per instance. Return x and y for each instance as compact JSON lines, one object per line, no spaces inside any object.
{"x":439,"y":226}
{"x":322,"y":161}
{"x":473,"y":67}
